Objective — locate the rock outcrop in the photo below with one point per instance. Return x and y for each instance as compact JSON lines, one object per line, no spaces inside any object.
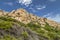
{"x":22,"y":25}
{"x":23,"y":16}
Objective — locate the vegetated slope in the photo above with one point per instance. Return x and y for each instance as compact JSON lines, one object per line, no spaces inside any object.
{"x":11,"y":29}
{"x":25,"y":17}
{"x":17,"y":26}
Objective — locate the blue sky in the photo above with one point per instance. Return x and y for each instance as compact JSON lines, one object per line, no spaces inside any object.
{"x":43,"y":8}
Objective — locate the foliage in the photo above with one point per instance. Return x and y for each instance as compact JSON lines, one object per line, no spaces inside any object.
{"x":7,"y":22}
{"x":48,"y":31}
{"x":8,"y":37}
{"x":25,"y":34}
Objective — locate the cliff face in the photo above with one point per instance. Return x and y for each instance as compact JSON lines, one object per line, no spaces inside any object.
{"x":23,"y":16}
{"x":21,"y":25}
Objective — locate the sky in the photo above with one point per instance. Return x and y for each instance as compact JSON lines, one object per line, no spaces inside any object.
{"x":43,"y":8}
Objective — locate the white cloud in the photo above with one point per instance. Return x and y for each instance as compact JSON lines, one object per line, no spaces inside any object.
{"x":32,"y":9}
{"x":8,"y":3}
{"x":56,"y":18}
{"x":25,"y":2}
{"x":53,"y":17}
{"x":52,"y":0}
{"x":36,"y":8}
{"x":40,"y":7}
{"x":48,"y":15}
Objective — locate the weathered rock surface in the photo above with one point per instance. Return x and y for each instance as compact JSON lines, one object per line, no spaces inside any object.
{"x":23,"y":16}
{"x":21,"y":25}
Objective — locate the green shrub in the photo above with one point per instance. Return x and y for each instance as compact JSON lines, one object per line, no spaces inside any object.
{"x":5,"y":24}
{"x":48,"y":27}
{"x":25,"y":34}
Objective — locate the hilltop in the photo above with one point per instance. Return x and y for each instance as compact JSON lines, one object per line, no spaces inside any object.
{"x":22,"y":25}
{"x":25,"y":17}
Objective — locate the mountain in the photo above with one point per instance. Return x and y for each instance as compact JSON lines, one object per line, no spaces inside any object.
{"x":22,"y":25}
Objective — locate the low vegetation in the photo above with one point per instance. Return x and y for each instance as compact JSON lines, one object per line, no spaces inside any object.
{"x":48,"y":31}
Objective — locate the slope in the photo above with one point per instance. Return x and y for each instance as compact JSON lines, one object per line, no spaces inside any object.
{"x":15,"y":26}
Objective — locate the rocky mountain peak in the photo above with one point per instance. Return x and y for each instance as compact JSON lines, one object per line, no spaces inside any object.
{"x":22,"y":25}
{"x":25,"y":17}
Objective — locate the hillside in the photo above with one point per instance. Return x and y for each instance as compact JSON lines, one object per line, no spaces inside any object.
{"x":21,"y":25}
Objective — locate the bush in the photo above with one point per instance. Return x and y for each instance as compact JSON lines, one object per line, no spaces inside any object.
{"x":5,"y":24}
